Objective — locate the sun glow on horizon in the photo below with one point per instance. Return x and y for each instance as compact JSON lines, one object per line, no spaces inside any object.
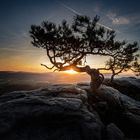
{"x":71,"y":71}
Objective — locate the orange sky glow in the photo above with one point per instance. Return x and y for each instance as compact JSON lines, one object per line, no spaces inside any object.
{"x":18,"y":54}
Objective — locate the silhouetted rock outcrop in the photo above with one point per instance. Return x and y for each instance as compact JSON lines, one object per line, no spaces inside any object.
{"x":127,"y":85}
{"x":68,"y":112}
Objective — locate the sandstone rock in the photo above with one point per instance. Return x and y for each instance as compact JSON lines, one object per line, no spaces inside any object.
{"x":127,"y":85}
{"x":39,"y":115}
{"x":122,"y":110}
{"x":65,"y":112}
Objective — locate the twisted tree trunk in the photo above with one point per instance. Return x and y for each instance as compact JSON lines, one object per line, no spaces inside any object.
{"x":112,"y":78}
{"x":96,"y":77}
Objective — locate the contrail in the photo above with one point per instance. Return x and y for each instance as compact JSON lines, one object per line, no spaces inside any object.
{"x":77,"y":13}
{"x":70,"y":9}
{"x":105,"y":26}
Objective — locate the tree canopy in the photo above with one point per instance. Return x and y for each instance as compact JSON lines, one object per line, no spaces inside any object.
{"x":67,"y":46}
{"x":125,"y":58}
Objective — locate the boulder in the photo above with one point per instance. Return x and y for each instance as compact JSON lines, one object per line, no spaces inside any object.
{"x":127,"y":85}
{"x":56,"y":112}
{"x":121,"y":109}
{"x":69,"y":111}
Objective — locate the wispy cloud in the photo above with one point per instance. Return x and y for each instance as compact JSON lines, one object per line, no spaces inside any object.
{"x":14,"y":49}
{"x":118,"y":20}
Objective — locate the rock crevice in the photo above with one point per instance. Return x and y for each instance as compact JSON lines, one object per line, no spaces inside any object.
{"x":62,"y":112}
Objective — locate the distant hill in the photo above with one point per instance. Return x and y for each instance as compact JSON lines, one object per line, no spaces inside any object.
{"x":51,"y":77}
{"x":11,"y":81}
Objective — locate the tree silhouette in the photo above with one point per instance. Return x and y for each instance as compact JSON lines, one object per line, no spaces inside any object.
{"x":125,"y":58}
{"x":67,"y":46}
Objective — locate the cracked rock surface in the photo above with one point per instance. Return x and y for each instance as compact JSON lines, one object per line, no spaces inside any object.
{"x":67,"y":112}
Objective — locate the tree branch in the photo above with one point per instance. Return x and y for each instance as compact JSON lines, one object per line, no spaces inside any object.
{"x":50,"y":68}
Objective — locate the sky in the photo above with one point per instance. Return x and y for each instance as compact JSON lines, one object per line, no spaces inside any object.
{"x":16,"y":17}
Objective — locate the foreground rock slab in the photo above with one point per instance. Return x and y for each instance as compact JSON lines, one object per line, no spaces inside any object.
{"x":62,"y":112}
{"x":56,"y":112}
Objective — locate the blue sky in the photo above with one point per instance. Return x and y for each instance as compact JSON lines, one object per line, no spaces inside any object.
{"x":16,"y":17}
